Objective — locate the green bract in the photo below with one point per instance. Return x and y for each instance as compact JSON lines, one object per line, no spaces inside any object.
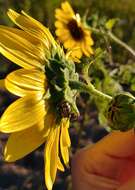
{"x":121,"y":112}
{"x":59,"y":72}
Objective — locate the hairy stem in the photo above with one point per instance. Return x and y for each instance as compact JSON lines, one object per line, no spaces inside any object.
{"x":123,"y":44}
{"x":114,"y":38}
{"x":90,"y":89}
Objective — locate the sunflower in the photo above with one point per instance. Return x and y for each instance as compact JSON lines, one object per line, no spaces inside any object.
{"x":72,"y":32}
{"x":47,"y":103}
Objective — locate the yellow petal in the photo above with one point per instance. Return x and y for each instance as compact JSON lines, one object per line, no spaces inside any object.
{"x":64,"y":38}
{"x":49,"y":120}
{"x":51,"y":157}
{"x":85,"y":49}
{"x":63,"y":31}
{"x":60,"y":165}
{"x":86,"y":46}
{"x":46,"y":32}
{"x":89,"y":41}
{"x":31,"y":26}
{"x":19,"y":50}
{"x":61,"y":16}
{"x":59,"y":25}
{"x":22,"y":143}
{"x":67,"y":8}
{"x":87,"y":32}
{"x":69,"y":43}
{"x":24,"y":82}
{"x":65,"y":126}
{"x":65,"y":141}
{"x":91,"y":51}
{"x":22,"y":114}
{"x":76,"y":52}
{"x":63,"y":34}
{"x":33,"y":42}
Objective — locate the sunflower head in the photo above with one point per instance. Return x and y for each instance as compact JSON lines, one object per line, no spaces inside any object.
{"x":72,"y":32}
{"x":46,"y":103}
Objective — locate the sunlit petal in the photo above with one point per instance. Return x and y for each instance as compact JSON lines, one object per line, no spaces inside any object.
{"x":59,"y":24}
{"x":22,"y":114}
{"x":31,"y":26}
{"x":33,"y":42}
{"x":19,"y":50}
{"x":60,"y":32}
{"x":51,"y":157}
{"x":89,"y":41}
{"x":84,"y":49}
{"x":22,"y":143}
{"x":65,"y":141}
{"x":61,"y":13}
{"x":60,"y":165}
{"x":77,"y":52}
{"x":23,"y":82}
{"x":67,"y":8}
{"x":69,"y":43}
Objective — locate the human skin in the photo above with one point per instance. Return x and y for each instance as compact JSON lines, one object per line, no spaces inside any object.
{"x":106,"y":165}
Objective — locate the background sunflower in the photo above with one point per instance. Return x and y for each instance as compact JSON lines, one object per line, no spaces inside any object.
{"x":25,"y":174}
{"x":71,"y":31}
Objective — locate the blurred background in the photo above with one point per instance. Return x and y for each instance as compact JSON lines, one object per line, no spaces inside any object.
{"x":28,"y":173}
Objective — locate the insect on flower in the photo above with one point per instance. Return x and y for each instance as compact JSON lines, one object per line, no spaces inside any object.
{"x":66,"y":111}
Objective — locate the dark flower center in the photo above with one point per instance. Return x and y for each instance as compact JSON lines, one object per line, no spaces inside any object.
{"x":76,"y":31}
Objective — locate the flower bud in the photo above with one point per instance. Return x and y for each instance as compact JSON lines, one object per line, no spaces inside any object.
{"x":121,"y":112}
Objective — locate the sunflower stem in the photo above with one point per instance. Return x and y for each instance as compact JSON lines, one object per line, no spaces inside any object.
{"x":114,"y":38}
{"x":90,"y":89}
{"x":86,"y":67}
{"x":120,"y":42}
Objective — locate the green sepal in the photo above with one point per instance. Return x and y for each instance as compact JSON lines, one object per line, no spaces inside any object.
{"x":59,"y":72}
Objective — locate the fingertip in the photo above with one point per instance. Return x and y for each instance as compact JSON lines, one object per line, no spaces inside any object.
{"x":120,"y":144}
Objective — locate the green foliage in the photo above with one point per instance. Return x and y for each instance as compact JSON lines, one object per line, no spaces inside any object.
{"x":59,"y":72}
{"x":126,"y":76}
{"x":105,"y":83}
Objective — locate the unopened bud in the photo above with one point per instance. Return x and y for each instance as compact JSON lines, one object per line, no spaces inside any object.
{"x":121,"y":112}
